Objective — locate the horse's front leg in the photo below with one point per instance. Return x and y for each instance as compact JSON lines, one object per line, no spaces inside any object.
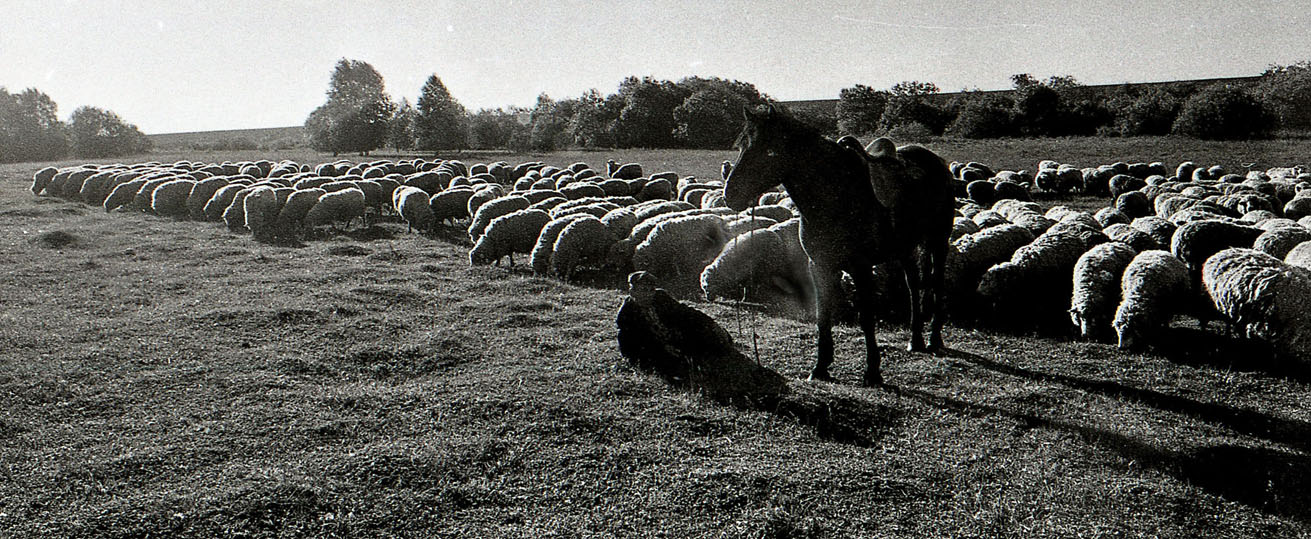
{"x":913,"y":285}
{"x":869,"y":324}
{"x":937,"y":272}
{"x":828,"y":291}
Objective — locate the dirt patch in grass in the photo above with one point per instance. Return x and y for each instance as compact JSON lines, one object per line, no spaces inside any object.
{"x":57,"y":239}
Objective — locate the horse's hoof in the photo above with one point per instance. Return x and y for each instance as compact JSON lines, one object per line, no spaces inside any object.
{"x":873,"y":380}
{"x":820,"y":376}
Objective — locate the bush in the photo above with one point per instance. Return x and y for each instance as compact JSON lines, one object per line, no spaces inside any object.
{"x":1153,"y":112}
{"x":983,"y":117}
{"x":859,"y":109}
{"x":910,"y":132}
{"x":101,"y":133}
{"x":1223,"y":112}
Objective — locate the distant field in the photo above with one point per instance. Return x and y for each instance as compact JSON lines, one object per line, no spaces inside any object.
{"x":169,"y":378}
{"x":274,"y":138}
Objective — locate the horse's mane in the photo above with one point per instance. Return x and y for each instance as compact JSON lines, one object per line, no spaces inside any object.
{"x":788,"y":126}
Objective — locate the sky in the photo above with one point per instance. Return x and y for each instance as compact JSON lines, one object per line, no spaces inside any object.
{"x":184,"y":65}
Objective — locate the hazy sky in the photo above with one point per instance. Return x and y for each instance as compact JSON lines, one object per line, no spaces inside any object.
{"x":172,"y":66}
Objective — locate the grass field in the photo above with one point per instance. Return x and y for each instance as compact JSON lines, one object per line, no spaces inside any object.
{"x":168,"y":378}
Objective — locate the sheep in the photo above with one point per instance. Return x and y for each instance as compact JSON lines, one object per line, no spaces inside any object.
{"x":1033,"y":221}
{"x":1196,"y":241}
{"x":170,"y":198}
{"x":989,"y":219}
{"x":1097,"y":287}
{"x":1134,"y":204}
{"x":516,"y":232}
{"x":218,"y":202}
{"x":540,"y":257}
{"x":773,"y":211}
{"x":1265,"y":298}
{"x":620,"y":221}
{"x":678,"y":249}
{"x":123,"y":194}
{"x":741,"y":224}
{"x":962,"y":226}
{"x":483,"y":195}
{"x":491,"y":210}
{"x":234,"y":216}
{"x":1109,"y":216}
{"x":145,"y":195}
{"x":1159,"y":229}
{"x":1300,"y":255}
{"x":972,"y":254}
{"x":450,"y":204}
{"x":744,"y":265}
{"x":585,"y":241}
{"x":200,"y":194}
{"x":627,"y":171}
{"x":652,"y":210}
{"x":41,"y":179}
{"x":413,"y":205}
{"x":341,"y":206}
{"x":1279,"y":241}
{"x":261,"y":209}
{"x":1128,"y":235}
{"x":1153,"y":286}
{"x":292,"y":215}
{"x":1039,"y":270}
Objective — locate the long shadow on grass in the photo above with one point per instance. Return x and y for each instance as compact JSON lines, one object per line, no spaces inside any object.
{"x":1273,"y":481}
{"x":1197,"y":347}
{"x":1293,"y":433}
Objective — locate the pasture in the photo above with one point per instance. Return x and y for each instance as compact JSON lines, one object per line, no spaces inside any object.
{"x":162,"y":377}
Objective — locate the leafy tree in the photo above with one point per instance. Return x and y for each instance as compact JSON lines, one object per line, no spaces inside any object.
{"x":497,"y":128}
{"x":357,"y":114}
{"x":1151,"y":111}
{"x":100,"y":133}
{"x":909,"y":104}
{"x":913,"y":88}
{"x":592,"y":123}
{"x":442,"y":121}
{"x":859,"y":109}
{"x":1286,"y":91}
{"x":1223,"y":112}
{"x":550,"y":124}
{"x":30,"y":129}
{"x":823,"y":119}
{"x":400,"y":135}
{"x":984,"y":116}
{"x":647,"y":117}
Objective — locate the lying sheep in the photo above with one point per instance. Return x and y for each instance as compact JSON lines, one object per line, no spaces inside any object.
{"x":584,"y":242}
{"x":1265,"y":298}
{"x":515,"y":232}
{"x":1097,"y":287}
{"x":1152,"y":289}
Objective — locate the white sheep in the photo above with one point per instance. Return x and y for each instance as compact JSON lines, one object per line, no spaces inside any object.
{"x":41,"y":179}
{"x":1263,"y":297}
{"x":516,"y":232}
{"x":1277,"y":242}
{"x":585,"y":241}
{"x":341,"y":206}
{"x":1039,"y":272}
{"x":450,"y":204}
{"x":414,"y":206}
{"x":146,"y":195}
{"x":1158,"y":228}
{"x":1152,"y":290}
{"x":234,"y":216}
{"x":170,"y":198}
{"x":540,"y":257}
{"x":261,"y":208}
{"x":1097,"y":287}
{"x":620,"y":221}
{"x":491,"y":210}
{"x":1300,"y":255}
{"x":291,"y":218}
{"x":677,"y":250}
{"x":123,"y":194}
{"x":744,"y":265}
{"x":201,"y":193}
{"x":1128,"y":235}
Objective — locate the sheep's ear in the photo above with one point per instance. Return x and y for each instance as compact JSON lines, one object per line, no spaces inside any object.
{"x":881,"y":147}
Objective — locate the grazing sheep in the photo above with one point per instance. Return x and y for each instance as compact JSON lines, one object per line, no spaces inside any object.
{"x":774,"y":211}
{"x":540,"y":257}
{"x":585,"y":241}
{"x":620,"y":221}
{"x":1196,"y":241}
{"x":170,"y":198}
{"x":1153,"y":287}
{"x":1263,"y":297}
{"x":1109,"y":216}
{"x":413,"y":205}
{"x":1279,"y":241}
{"x":1134,"y":204}
{"x":1037,"y":224}
{"x":291,"y":218}
{"x":341,"y":206}
{"x":200,"y":194}
{"x":483,"y":195}
{"x":962,"y":226}
{"x":744,"y":265}
{"x":491,"y":210}
{"x":146,"y":195}
{"x":677,"y":250}
{"x":217,"y":203}
{"x":451,"y":204}
{"x":1097,"y":287}
{"x":123,"y":194}
{"x":234,"y":216}
{"x":1300,"y":255}
{"x":261,"y":208}
{"x":41,"y":179}
{"x":1038,"y":272}
{"x":741,"y":224}
{"x":579,"y":190}
{"x":989,"y":219}
{"x":516,"y":232}
{"x":659,"y":207}
{"x":1128,"y":235}
{"x":627,"y":171}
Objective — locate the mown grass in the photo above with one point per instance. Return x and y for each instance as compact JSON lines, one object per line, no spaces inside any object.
{"x":168,"y":378}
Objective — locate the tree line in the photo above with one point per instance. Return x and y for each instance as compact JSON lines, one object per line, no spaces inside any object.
{"x":1061,"y":106}
{"x":30,"y":130}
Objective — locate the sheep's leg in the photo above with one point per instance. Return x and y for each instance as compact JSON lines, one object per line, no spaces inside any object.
{"x":827,"y":287}
{"x":913,"y":284}
{"x":937,"y":276}
{"x":869,"y":324}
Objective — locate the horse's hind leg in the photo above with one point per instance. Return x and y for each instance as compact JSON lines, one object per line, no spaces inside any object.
{"x":827,"y":291}
{"x":934,"y":296}
{"x":868,"y":325}
{"x":911,"y":269}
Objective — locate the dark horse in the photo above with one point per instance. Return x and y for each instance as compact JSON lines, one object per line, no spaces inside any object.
{"x":859,"y":207}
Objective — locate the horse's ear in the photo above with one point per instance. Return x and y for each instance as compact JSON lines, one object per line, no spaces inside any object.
{"x":881,"y":147}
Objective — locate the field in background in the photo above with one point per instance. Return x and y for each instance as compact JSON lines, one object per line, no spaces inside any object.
{"x":162,"y":377}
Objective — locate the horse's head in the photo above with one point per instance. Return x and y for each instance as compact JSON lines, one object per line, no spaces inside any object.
{"x":762,"y":160}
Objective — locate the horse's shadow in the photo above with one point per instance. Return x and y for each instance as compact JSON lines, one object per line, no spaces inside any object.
{"x":1268,"y":480}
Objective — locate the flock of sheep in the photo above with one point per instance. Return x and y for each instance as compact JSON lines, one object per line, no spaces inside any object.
{"x":1193,"y":241}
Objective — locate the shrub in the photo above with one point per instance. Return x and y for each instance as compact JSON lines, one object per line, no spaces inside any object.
{"x":983,"y":117}
{"x":1223,"y":112}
